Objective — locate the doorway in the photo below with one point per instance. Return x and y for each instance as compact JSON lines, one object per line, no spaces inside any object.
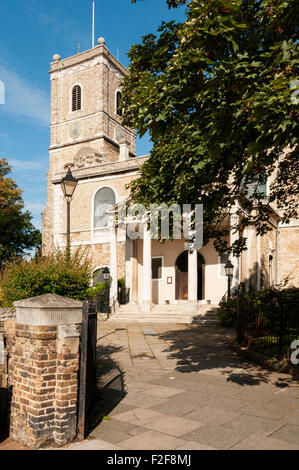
{"x":181,"y":277}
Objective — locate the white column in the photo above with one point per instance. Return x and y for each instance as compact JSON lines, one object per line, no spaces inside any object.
{"x":234,"y":235}
{"x":113,"y":257}
{"x":192,"y":276}
{"x":258,"y":262}
{"x":147,"y":270}
{"x":129,"y":264}
{"x":203,"y":282}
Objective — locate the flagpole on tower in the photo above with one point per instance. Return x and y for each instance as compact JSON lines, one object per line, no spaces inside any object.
{"x":93,"y":11}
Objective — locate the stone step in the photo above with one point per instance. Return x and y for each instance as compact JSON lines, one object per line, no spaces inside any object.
{"x":170,"y":308}
{"x":116,"y":319}
{"x":175,"y":313}
{"x":166,"y":318}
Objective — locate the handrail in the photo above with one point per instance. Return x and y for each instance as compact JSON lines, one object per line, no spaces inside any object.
{"x":113,"y":303}
{"x":224,"y":297}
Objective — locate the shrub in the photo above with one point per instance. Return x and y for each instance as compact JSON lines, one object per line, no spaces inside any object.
{"x":56,"y":274}
{"x":227,"y":312}
{"x":92,"y":292}
{"x":256,"y":302}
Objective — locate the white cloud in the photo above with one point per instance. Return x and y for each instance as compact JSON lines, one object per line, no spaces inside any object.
{"x":23,"y":98}
{"x":29,"y":165}
{"x":34,"y":207}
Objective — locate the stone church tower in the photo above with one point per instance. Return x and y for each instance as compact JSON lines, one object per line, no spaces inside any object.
{"x":88,"y":137}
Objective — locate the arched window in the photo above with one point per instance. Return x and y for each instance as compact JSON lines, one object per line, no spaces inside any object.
{"x":76,"y":98}
{"x":119,"y":111}
{"x":104,"y":199}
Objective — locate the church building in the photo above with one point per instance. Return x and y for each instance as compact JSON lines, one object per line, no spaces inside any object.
{"x":87,"y":137}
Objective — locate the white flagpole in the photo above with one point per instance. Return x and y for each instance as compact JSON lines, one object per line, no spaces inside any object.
{"x":93,"y":12}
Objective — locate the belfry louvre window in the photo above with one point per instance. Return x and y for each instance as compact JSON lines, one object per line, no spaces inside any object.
{"x":76,"y":98}
{"x":104,"y":199}
{"x":119,"y":111}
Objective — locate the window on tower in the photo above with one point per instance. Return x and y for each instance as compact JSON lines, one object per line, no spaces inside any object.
{"x":104,"y":199}
{"x":76,"y":98}
{"x":119,"y":111}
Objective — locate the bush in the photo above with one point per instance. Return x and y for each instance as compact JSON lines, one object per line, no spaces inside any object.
{"x":256,"y":302}
{"x":227,"y":312}
{"x":52,"y":274}
{"x":92,"y":292}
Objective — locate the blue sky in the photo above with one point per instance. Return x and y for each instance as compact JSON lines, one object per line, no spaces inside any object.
{"x":31,"y":31}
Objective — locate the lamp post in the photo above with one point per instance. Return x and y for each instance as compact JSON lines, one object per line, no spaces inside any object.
{"x":68,"y":185}
{"x":106,"y":276}
{"x":229,"y":270}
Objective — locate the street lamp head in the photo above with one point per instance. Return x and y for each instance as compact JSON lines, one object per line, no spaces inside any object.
{"x":229,"y":268}
{"x":106,"y":274}
{"x":68,"y":185}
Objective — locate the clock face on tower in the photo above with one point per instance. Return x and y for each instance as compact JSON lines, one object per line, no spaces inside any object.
{"x":75,"y":130}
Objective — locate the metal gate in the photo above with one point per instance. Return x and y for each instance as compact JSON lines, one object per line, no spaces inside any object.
{"x":88,"y":349}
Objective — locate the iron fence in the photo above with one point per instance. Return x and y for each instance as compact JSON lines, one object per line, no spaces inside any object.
{"x":269,"y":327}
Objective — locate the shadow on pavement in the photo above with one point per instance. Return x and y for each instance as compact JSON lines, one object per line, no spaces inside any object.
{"x":110,"y":387}
{"x":208,"y":348}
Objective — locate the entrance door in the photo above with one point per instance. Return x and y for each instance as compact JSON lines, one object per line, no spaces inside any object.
{"x":181,"y":266}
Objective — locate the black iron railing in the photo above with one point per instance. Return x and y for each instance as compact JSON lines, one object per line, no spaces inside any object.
{"x":269,"y":327}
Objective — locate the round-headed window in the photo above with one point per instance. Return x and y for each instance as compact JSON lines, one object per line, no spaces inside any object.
{"x":104,"y":200}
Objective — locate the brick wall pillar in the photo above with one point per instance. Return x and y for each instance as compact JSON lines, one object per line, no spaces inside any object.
{"x":46,"y":365}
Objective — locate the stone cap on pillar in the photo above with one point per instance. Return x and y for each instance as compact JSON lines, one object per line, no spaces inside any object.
{"x":48,"y":310}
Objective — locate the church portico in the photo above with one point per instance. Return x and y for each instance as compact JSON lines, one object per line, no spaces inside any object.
{"x":166,"y":273}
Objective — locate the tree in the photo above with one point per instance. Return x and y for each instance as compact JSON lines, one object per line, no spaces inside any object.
{"x":215,"y":94}
{"x":17,"y":234}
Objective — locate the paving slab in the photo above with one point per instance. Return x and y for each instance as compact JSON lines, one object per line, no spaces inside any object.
{"x":228,"y":403}
{"x":251,"y":424}
{"x":115,"y":431}
{"x":267,"y":410}
{"x":142,"y":400}
{"x":139,"y":416}
{"x":190,"y":445}
{"x":217,"y":437}
{"x":211,"y":416}
{"x":288,"y":432}
{"x":92,"y":444}
{"x":173,"y":425}
{"x":175,"y":406}
{"x":162,"y":392}
{"x":151,"y":440}
{"x":259,"y":441}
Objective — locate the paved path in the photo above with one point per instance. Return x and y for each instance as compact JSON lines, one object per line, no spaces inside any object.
{"x":183,"y":388}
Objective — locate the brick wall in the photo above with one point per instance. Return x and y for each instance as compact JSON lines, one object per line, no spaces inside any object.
{"x":45,"y":386}
{"x":45,"y":367}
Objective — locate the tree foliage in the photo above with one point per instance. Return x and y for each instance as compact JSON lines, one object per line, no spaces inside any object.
{"x":17,"y":234}
{"x":215,"y":95}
